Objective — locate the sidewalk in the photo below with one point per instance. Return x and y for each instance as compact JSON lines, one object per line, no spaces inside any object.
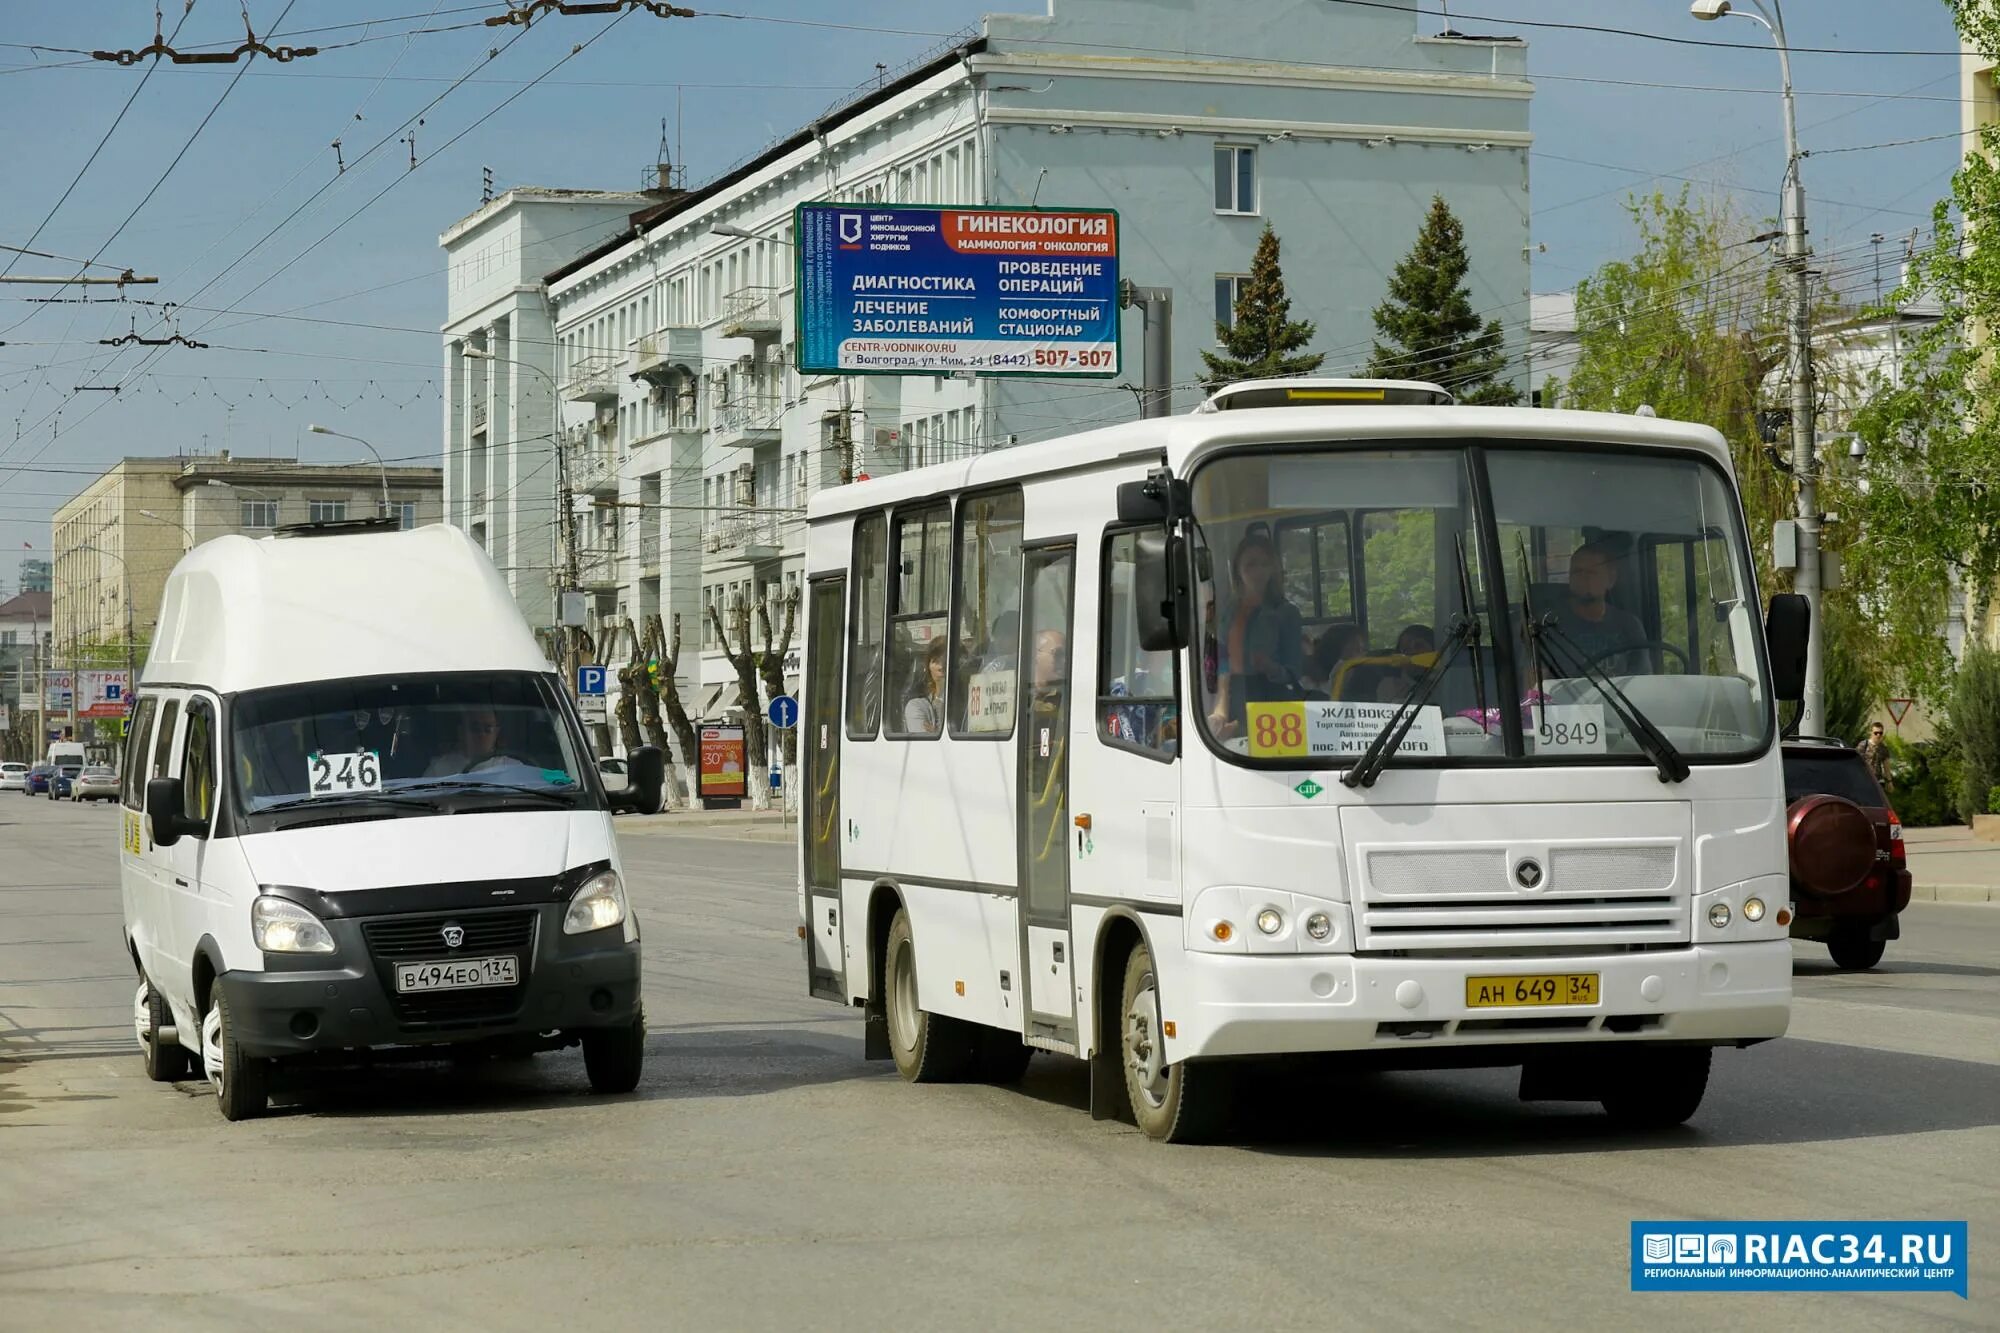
{"x":1949,"y":865}
{"x":752,"y":825}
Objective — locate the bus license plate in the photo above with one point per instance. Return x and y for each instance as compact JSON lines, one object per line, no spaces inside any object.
{"x":1526,"y":991}
{"x":458,"y":974}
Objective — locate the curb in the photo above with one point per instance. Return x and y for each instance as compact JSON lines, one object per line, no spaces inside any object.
{"x":1955,"y":893}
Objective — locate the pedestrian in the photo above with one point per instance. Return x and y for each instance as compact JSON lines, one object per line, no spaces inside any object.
{"x":1875,"y":753}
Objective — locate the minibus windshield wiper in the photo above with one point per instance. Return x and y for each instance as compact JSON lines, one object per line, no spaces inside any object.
{"x":452,"y":786}
{"x":1464,"y":631}
{"x":343,"y":800}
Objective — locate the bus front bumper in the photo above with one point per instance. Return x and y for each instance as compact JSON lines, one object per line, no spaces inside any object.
{"x":1236,"y":1004}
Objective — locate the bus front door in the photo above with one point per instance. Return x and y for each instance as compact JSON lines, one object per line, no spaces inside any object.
{"x":1044,"y":793}
{"x":820,"y":739}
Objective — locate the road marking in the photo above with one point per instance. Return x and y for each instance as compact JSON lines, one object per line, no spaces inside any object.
{"x":1936,"y":1033}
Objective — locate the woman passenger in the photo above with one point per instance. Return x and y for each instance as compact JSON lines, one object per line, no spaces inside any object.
{"x":1263,"y":636}
{"x":923,"y":712}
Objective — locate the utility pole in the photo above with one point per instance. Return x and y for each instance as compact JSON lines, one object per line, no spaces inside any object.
{"x":1157,"y":304}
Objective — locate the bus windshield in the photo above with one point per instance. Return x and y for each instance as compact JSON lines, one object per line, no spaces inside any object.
{"x":1330,"y":582}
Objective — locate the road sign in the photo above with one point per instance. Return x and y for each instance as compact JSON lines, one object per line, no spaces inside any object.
{"x":933,"y":291}
{"x":783,"y":712}
{"x":1898,"y":709}
{"x":590,"y":707}
{"x":589,"y":680}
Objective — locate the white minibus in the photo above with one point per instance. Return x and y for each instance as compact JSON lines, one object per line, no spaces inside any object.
{"x":360,"y":812}
{"x":1332,"y":717}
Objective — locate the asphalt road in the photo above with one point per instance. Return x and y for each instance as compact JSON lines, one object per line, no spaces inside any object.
{"x":765,"y":1177}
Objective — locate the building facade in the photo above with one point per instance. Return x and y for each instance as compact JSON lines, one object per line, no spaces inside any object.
{"x":690,"y":439}
{"x":34,"y":575}
{"x":115,"y":543}
{"x":25,"y":636}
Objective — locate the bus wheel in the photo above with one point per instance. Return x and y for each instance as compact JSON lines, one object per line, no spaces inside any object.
{"x":1658,"y":1089}
{"x":241,"y":1089}
{"x":1179,"y":1103}
{"x":928,"y":1048}
{"x":166,"y":1061}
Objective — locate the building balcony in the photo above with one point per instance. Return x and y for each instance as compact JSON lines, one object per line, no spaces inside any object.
{"x":596,"y":562}
{"x":737,"y":539}
{"x":667,"y":357}
{"x":595,"y":379}
{"x":753,"y":312}
{"x":750,"y":419}
{"x":479,"y":415}
{"x":592,"y":469}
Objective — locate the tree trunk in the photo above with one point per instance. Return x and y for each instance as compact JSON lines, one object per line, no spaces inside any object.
{"x":630,"y":688}
{"x":670,"y":706}
{"x":744,"y":658}
{"x":772,"y":667}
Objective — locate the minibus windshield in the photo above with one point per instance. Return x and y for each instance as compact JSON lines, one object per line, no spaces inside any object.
{"x":378,"y":746}
{"x":1328,"y":582}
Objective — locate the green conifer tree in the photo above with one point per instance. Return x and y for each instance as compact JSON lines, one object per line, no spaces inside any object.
{"x":1265,"y":341}
{"x":1428,"y":327}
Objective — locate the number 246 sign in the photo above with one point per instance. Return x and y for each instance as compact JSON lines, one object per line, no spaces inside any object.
{"x":339,"y":774}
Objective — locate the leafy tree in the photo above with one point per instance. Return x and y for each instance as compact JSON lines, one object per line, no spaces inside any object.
{"x":1265,"y":342}
{"x":1929,"y":518}
{"x":1429,"y":329}
{"x":1975,"y":720}
{"x":1850,"y":685}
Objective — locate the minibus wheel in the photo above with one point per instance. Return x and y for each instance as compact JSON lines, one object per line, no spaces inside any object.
{"x":1186,"y":1102}
{"x":928,"y":1048}
{"x":241,"y":1089}
{"x":613,"y":1057}
{"x":1658,"y":1089}
{"x":166,"y":1061}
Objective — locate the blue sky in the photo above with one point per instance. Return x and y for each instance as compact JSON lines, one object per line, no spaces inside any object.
{"x":359,"y":352}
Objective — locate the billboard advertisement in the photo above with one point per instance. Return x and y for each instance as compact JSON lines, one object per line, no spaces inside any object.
{"x":722,"y":761}
{"x":103,"y":694}
{"x":928,"y":290}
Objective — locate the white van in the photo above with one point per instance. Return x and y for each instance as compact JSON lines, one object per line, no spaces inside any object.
{"x":360,"y":812}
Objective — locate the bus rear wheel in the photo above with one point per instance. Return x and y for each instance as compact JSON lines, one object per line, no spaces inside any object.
{"x":928,"y":1048}
{"x":1658,"y":1089}
{"x":1173,"y":1103}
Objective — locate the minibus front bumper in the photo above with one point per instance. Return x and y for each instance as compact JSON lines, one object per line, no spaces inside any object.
{"x":306,"y":1004}
{"x":1237,"y":1004}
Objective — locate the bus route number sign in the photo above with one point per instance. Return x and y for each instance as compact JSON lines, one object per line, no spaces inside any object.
{"x":1335,"y":729}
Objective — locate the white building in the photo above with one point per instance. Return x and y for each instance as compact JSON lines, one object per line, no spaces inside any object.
{"x":692,"y":443}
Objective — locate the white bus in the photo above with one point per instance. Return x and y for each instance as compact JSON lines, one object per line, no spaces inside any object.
{"x":1329,"y":718}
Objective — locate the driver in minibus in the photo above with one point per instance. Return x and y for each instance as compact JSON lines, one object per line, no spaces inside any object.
{"x":1587,"y":618}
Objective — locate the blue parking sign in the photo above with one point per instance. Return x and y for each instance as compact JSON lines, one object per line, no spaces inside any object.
{"x":590,"y":680}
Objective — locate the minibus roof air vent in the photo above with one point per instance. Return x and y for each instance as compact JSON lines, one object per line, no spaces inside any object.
{"x":1309,"y":392}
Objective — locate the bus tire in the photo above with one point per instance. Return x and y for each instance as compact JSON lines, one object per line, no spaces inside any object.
{"x":1002,"y":1056}
{"x":927,"y":1047}
{"x":241,"y":1082}
{"x":166,"y":1061}
{"x":1658,"y":1089}
{"x":1186,"y":1102}
{"x":613,"y":1058}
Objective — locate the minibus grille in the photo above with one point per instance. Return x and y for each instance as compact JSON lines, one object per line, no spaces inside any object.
{"x":399,"y":939}
{"x":1420,"y":899}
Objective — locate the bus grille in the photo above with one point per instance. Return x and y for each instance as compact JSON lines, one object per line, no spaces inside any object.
{"x":1467,"y":898}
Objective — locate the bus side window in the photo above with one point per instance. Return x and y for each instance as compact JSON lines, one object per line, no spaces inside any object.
{"x":163,"y":743}
{"x":864,"y":657}
{"x":987,"y":593}
{"x":132,"y":785}
{"x":1137,"y":691}
{"x":198,"y":762}
{"x":919,"y":603}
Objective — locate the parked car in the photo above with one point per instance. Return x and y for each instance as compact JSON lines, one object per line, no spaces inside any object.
{"x":13,"y":777}
{"x":38,"y":779}
{"x":61,"y":780}
{"x":97,"y":782}
{"x":1850,"y":876}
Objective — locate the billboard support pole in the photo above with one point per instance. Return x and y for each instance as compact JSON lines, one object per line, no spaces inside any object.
{"x":1156,"y":397}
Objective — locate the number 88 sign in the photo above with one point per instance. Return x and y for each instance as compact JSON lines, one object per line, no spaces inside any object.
{"x":1277,"y":730}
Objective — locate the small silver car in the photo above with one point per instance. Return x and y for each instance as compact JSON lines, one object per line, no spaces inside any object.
{"x":13,"y":777}
{"x":95,"y":783}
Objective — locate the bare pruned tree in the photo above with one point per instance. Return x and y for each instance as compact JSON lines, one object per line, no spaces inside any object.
{"x":667,"y":702}
{"x":743,"y":657}
{"x":771,"y":663}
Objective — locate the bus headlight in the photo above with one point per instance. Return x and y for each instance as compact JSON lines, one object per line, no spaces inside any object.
{"x":598,"y":905}
{"x":1319,"y":925}
{"x":1270,"y":921}
{"x":1753,"y":909}
{"x":1718,"y":915}
{"x":282,"y":926}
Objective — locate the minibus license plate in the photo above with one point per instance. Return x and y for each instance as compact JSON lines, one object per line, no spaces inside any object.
{"x":458,"y":974}
{"x":1527,"y":991}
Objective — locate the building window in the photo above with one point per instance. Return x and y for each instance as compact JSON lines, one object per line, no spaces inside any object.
{"x":1228,"y":291}
{"x":404,"y":512}
{"x":325,"y":511}
{"x":260,"y":513}
{"x":1235,"y":179}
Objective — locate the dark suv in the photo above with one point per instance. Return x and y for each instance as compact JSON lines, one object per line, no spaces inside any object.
{"x":1849,"y":875}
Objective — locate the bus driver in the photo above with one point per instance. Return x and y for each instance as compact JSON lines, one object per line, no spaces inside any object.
{"x":1587,"y":619}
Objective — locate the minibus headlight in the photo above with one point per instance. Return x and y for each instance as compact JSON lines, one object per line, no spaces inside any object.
{"x":1718,"y":915}
{"x":598,"y":905}
{"x":1270,"y":921}
{"x":1753,"y":909}
{"x":282,"y":926}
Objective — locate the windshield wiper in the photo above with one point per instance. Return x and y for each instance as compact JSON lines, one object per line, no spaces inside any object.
{"x":1666,"y":758}
{"x":342,"y":799}
{"x":1464,"y":631}
{"x":446,"y":786}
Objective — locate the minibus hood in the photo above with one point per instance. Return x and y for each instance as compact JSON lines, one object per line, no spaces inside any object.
{"x":444,"y":849}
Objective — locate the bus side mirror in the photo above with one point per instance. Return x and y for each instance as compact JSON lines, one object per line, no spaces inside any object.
{"x":1787,"y":627}
{"x":1159,"y":592}
{"x":1159,"y":498}
{"x":166,"y":803}
{"x":645,"y":780}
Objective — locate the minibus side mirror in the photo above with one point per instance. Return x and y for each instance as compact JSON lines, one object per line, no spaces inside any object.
{"x":1160,"y":496}
{"x":166,"y":803}
{"x":1787,"y":627}
{"x":645,"y":781}
{"x":1159,"y":592}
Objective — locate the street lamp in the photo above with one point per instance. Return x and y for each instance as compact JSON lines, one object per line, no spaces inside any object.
{"x":131,"y":646}
{"x":1806,"y":575}
{"x":342,"y":435}
{"x":737,"y":233}
{"x":162,"y":518}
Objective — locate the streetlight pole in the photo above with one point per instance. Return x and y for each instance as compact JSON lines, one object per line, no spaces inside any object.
{"x":162,"y":518}
{"x":342,"y":435}
{"x":1805,"y":464}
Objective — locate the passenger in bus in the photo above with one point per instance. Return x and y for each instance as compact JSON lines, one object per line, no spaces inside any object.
{"x":1338,"y":644}
{"x":923,"y":711}
{"x":1586,"y":617}
{"x":1416,"y":640}
{"x":1263,"y":634}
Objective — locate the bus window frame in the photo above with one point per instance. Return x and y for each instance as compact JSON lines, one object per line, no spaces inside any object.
{"x":891,"y":598}
{"x":1477,"y":451}
{"x":1103,"y":699}
{"x":856,"y":617}
{"x":961,"y":504}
